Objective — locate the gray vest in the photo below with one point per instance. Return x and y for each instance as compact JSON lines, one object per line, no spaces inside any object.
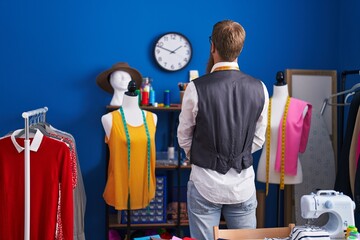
{"x":229,"y":105}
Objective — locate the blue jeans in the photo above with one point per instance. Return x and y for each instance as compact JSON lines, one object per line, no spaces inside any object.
{"x":204,"y":215}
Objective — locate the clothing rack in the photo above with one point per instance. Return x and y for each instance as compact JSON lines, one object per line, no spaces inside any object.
{"x":341,"y":110}
{"x":40,"y":113}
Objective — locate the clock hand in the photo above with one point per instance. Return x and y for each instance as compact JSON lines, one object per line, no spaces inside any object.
{"x":175,"y":49}
{"x":165,"y":49}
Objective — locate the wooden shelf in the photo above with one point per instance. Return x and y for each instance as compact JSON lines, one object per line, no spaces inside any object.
{"x":172,"y":108}
{"x":172,"y":167}
{"x":113,"y":223}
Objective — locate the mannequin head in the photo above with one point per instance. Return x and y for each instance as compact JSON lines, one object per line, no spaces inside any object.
{"x":110,"y":79}
{"x":119,"y":80}
{"x":131,"y":89}
{"x":280,"y":79}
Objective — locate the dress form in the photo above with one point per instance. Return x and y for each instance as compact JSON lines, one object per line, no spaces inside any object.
{"x":279,"y":98}
{"x":132,"y":111}
{"x":119,"y":80}
{"x":131,"y":142}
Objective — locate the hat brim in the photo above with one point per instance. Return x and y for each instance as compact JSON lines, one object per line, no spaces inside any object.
{"x":103,"y":78}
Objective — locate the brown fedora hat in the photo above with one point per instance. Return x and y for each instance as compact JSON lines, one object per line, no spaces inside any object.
{"x":103,"y":78}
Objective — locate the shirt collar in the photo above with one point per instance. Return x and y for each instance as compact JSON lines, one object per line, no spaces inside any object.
{"x":224,"y":64}
{"x":35,"y":143}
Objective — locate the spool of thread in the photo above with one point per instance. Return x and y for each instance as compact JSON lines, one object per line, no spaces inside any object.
{"x":152,"y":97}
{"x":145,"y":98}
{"x":171,"y":153}
{"x":137,"y":91}
{"x":354,"y":234}
{"x":349,"y":229}
{"x":167,"y":98}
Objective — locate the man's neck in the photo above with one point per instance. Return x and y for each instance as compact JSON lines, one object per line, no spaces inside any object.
{"x":217,"y":58}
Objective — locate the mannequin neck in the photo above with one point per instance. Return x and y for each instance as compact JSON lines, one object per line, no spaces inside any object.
{"x":130,"y":102}
{"x":117,"y":98}
{"x":132,"y":111}
{"x":280,"y":92}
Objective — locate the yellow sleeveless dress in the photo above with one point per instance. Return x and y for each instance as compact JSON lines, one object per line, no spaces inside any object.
{"x":119,"y":181}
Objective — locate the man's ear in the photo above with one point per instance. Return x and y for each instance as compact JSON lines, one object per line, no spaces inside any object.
{"x":212,"y":49}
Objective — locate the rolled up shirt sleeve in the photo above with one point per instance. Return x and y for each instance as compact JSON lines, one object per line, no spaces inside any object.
{"x":189,"y":110}
{"x":261,"y":124}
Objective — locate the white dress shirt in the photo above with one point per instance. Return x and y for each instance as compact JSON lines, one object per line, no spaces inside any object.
{"x":229,"y":188}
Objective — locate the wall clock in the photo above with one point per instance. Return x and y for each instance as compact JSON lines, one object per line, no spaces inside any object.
{"x":172,"y":51}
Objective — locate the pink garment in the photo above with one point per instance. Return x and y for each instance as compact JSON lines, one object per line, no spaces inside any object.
{"x":296,"y":135}
{"x":114,"y":235}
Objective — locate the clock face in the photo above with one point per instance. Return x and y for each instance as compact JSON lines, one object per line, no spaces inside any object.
{"x":172,"y":51}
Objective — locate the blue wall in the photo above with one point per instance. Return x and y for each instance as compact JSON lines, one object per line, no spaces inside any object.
{"x":52,"y":51}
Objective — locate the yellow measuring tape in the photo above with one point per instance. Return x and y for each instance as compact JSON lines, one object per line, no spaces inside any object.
{"x":282,"y":168}
{"x":268,"y":137}
{"x":226,"y":68}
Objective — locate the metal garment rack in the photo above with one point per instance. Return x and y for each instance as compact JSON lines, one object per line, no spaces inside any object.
{"x":26,"y":115}
{"x":342,"y":98}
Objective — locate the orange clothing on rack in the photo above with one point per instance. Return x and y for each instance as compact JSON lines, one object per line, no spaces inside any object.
{"x":119,"y":181}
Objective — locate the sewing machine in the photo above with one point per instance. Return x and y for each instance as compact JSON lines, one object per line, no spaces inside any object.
{"x":339,"y":207}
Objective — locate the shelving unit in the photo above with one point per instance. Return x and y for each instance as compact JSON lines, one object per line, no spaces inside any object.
{"x":112,"y":218}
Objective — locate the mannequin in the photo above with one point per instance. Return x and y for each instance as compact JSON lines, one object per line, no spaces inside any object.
{"x":119,"y":80}
{"x":130,"y":135}
{"x":132,"y":111}
{"x":115,"y":80}
{"x":279,"y":98}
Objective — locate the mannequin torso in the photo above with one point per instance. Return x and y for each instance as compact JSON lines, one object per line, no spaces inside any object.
{"x":132,"y":112}
{"x":278,"y":102}
{"x":119,"y":80}
{"x":130,"y":136}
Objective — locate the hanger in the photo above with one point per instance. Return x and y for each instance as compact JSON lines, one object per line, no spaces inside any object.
{"x":349,"y":93}
{"x":22,"y":132}
{"x":353,"y":89}
{"x":32,"y":121}
{"x":46,"y":129}
{"x":37,"y":122}
{"x":347,"y":97}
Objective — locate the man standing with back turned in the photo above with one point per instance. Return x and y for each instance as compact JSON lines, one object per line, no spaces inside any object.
{"x":222,"y":122}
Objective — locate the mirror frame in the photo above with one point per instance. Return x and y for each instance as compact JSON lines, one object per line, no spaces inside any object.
{"x":328,"y":77}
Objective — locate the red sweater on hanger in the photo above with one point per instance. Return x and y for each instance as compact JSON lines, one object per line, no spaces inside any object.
{"x":49,"y":167}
